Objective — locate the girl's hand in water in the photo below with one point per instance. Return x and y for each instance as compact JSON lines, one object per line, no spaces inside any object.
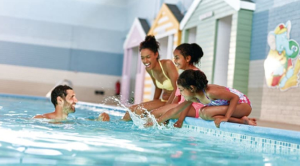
{"x":178,"y":124}
{"x":219,"y":120}
{"x":149,"y":123}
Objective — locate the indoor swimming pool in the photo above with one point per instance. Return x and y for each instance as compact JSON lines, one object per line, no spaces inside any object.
{"x":82,"y":141}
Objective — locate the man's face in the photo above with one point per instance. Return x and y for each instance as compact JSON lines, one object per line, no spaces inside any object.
{"x":70,"y":101}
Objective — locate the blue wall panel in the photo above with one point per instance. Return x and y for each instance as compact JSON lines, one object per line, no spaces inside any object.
{"x":266,"y":21}
{"x":262,"y":5}
{"x":34,"y":56}
{"x":259,"y":44}
{"x":97,"y":62}
{"x":284,"y":13}
{"x":61,"y":58}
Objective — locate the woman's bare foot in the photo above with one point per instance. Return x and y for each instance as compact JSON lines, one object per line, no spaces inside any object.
{"x":249,"y":121}
{"x":103,"y":117}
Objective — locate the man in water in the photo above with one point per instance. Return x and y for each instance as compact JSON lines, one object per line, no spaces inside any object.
{"x":64,"y":100}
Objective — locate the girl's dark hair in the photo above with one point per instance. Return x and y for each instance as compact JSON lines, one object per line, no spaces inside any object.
{"x":151,"y":44}
{"x":192,"y":77}
{"x":60,"y":90}
{"x":194,"y":50}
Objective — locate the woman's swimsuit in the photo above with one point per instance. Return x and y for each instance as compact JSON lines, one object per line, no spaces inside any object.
{"x":167,"y":84}
{"x":219,"y":102}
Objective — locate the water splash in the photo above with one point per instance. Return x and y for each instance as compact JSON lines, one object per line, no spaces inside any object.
{"x":145,"y":121}
{"x":138,"y":120}
{"x":141,"y":121}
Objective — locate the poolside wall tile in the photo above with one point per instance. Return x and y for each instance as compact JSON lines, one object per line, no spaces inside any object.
{"x":260,"y":138}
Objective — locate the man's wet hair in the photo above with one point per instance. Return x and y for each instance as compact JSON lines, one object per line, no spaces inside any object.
{"x":60,"y":90}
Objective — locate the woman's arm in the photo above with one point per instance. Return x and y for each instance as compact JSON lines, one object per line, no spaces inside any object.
{"x":172,"y":74}
{"x":175,"y":100}
{"x":157,"y":91}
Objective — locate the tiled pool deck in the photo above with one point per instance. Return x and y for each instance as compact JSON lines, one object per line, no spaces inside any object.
{"x":278,"y":125}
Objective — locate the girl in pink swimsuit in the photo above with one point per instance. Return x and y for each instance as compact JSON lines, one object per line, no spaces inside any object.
{"x":195,"y":105}
{"x":222,"y":104}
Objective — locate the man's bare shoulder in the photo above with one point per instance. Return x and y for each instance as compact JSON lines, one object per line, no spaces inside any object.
{"x":39,"y":116}
{"x":46,"y":116}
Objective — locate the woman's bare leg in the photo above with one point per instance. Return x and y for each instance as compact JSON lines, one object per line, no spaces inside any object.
{"x":174,"y":114}
{"x":163,"y":114}
{"x":138,"y":108}
{"x":162,"y":110}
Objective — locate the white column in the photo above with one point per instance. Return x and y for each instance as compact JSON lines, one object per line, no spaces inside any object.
{"x":125,"y":84}
{"x":170,"y":46}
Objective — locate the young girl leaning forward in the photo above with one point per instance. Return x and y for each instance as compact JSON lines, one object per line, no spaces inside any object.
{"x":222,"y":104}
{"x":185,"y":56}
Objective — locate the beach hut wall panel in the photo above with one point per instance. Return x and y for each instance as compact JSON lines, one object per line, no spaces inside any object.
{"x":133,"y":71}
{"x":209,"y":19}
{"x":165,"y":28}
{"x":242,"y":46}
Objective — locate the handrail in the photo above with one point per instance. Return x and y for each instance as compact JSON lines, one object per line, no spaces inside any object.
{"x":61,"y":82}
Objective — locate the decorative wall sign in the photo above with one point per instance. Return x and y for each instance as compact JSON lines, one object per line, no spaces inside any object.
{"x":282,"y":64}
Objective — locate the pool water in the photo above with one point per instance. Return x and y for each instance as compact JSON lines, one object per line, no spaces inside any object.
{"x":79,"y":141}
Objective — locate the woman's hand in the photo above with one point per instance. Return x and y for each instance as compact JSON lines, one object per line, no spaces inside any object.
{"x":219,"y":120}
